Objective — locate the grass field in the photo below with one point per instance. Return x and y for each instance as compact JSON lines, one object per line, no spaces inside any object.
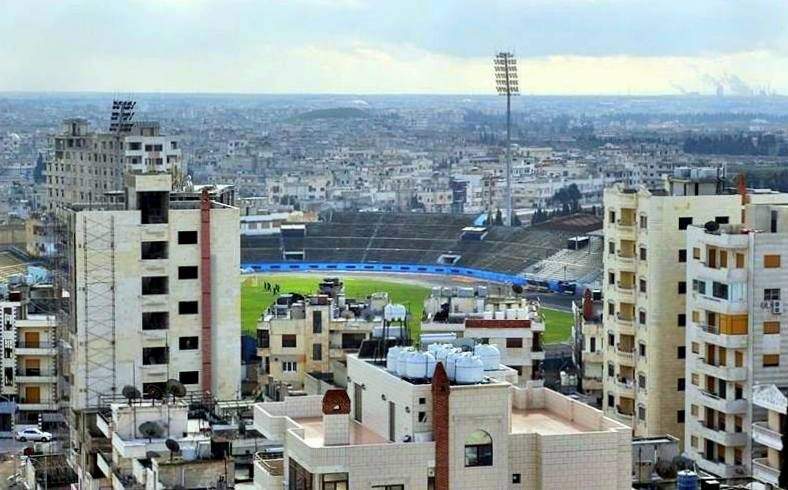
{"x":255,"y":300}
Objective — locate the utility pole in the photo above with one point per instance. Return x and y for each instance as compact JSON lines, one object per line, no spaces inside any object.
{"x":506,"y":84}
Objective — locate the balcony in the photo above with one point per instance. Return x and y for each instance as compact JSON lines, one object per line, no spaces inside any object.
{"x":626,"y":355}
{"x":711,"y":334}
{"x":626,"y":261}
{"x":626,"y":230}
{"x":104,"y":423}
{"x":626,"y":324}
{"x":720,"y":468}
{"x":592,"y":357}
{"x":104,"y":463}
{"x":712,"y":400}
{"x":626,"y":292}
{"x":40,"y":348}
{"x":268,"y":473}
{"x":36,"y":375}
{"x":764,"y":473}
{"x":762,"y":434}
{"x":626,"y":387}
{"x":719,"y":305}
{"x":719,"y":434}
{"x":724,"y":275}
{"x":727,"y":373}
{"x":36,"y":404}
{"x":623,"y":414}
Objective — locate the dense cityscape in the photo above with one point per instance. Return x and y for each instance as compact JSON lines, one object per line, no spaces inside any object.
{"x":512,"y":287}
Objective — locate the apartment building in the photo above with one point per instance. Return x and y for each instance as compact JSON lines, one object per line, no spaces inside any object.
{"x":388,"y":432}
{"x":468,"y":316}
{"x":645,"y":290}
{"x":736,"y":280}
{"x":587,"y":340}
{"x":155,"y":291}
{"x":768,"y":435}
{"x":85,"y":165}
{"x":301,"y":340}
{"x":29,"y":363}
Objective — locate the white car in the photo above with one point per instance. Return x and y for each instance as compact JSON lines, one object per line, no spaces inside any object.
{"x":33,"y":434}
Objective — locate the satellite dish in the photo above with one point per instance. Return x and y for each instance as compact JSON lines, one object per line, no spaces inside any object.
{"x":130,"y":393}
{"x":517,"y":289}
{"x":150,"y":430}
{"x":175,"y":388}
{"x":173,"y":446}
{"x":712,"y":226}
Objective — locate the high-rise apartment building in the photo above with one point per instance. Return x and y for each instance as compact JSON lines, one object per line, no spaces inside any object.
{"x":735,"y":307}
{"x":645,"y":292}
{"x":155,"y":292}
{"x":587,"y":340}
{"x":85,"y":165}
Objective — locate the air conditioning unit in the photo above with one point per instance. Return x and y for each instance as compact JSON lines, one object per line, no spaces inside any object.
{"x":777,"y":307}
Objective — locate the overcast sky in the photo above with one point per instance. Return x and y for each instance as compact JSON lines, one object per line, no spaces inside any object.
{"x":393,"y":46}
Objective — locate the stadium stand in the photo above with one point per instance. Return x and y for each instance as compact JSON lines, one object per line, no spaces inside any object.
{"x":419,"y":239}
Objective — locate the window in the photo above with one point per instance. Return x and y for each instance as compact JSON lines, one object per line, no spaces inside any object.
{"x":611,"y":309}
{"x":289,"y":366}
{"x":611,"y":339}
{"x":611,"y":401}
{"x":771,"y":327}
{"x":683,"y":255}
{"x":771,"y":261}
{"x":642,"y":253}
{"x":681,"y":319}
{"x":771,"y":360}
{"x":699,"y":286}
{"x":680,"y":417}
{"x":317,"y":352}
{"x":642,"y":317}
{"x":722,"y":220}
{"x":695,"y":348}
{"x":478,"y":449}
{"x":188,"y":307}
{"x":644,"y":222}
{"x":773,"y":224}
{"x":612,"y":216}
{"x":153,"y":250}
{"x":317,"y":322}
{"x":389,"y":487}
{"x":642,"y":351}
{"x":771,"y":294}
{"x":680,"y":384}
{"x":154,"y":285}
{"x":682,"y":289}
{"x":187,"y":237}
{"x":188,"y":343}
{"x":187,"y":272}
{"x":289,"y":341}
{"x":696,"y":253}
{"x":719,"y":290}
{"x":681,"y":352}
{"x":739,"y":260}
{"x":642,"y":285}
{"x":154,"y":355}
{"x":592,"y":344}
{"x":514,"y":343}
{"x":611,"y":370}
{"x":155,"y":320}
{"x":189,"y":377}
{"x":684,"y":223}
{"x":641,"y":412}
{"x":516,"y":478}
{"x":611,"y":278}
{"x":611,"y":248}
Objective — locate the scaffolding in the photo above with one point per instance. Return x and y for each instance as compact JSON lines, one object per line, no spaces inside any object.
{"x":96,"y":282}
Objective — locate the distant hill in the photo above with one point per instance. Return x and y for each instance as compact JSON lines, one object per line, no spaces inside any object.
{"x":335,"y":113}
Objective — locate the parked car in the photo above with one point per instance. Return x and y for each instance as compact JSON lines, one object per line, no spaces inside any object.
{"x":33,"y":434}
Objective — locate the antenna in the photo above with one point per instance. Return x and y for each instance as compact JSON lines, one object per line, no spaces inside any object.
{"x":506,"y":84}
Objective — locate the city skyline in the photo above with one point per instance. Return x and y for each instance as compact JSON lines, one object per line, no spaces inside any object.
{"x":572,"y":47}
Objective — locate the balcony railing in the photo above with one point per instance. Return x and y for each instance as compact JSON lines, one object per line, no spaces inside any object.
{"x":36,"y":372}
{"x":762,"y":471}
{"x":762,"y":434}
{"x":41,"y":344}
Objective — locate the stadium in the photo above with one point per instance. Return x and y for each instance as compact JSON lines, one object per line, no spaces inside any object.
{"x":563,"y":254}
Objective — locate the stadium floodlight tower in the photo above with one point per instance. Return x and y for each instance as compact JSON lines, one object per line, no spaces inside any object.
{"x":506,"y":84}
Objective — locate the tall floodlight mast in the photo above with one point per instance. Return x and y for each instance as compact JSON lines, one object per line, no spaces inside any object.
{"x":506,"y":84}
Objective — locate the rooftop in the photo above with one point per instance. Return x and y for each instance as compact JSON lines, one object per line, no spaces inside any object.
{"x":314,"y":433}
{"x":544,"y":422}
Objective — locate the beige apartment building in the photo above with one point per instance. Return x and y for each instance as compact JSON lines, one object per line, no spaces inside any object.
{"x":388,"y":432}
{"x":645,"y":293}
{"x":29,"y":361}
{"x":735,"y":341}
{"x":86,"y":165}
{"x":302,"y":341}
{"x":587,"y":339}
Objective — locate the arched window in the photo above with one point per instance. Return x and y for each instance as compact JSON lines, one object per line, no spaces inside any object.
{"x":478,"y":449}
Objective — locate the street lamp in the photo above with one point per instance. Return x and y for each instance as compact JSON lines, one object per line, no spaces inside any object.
{"x":506,"y":84}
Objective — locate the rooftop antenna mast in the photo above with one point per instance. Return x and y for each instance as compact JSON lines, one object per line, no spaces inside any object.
{"x":506,"y":84}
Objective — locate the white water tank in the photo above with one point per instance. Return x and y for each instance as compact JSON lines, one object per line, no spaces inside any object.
{"x":402,"y":361}
{"x":490,"y":356}
{"x":500,"y":315}
{"x":420,"y":365}
{"x":451,"y":363}
{"x":511,"y":314}
{"x":391,"y":358}
{"x":443,"y":353}
{"x":488,"y":315}
{"x":469,"y":369}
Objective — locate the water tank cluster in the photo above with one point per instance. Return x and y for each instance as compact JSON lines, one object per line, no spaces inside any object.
{"x":461,"y":367}
{"x":507,"y":314}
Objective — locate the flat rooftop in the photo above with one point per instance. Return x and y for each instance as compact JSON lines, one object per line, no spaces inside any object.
{"x":544,"y":422}
{"x":314,"y":433}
